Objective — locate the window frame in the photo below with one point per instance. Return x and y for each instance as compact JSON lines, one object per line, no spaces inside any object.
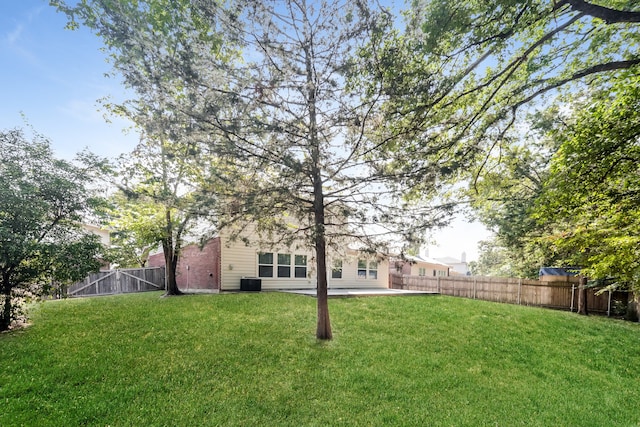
{"x":373,"y":268}
{"x":300,"y":268}
{"x":367,"y":269}
{"x":337,"y":267}
{"x":265,"y":265}
{"x":284,"y":265}
{"x":361,"y":272}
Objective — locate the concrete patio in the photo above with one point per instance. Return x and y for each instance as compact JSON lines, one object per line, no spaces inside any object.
{"x":341,"y":293}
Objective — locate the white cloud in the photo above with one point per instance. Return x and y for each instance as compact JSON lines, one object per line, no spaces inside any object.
{"x":82,"y":110}
{"x":13,"y":37}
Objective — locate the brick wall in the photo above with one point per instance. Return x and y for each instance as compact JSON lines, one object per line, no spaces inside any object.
{"x":197,"y":269}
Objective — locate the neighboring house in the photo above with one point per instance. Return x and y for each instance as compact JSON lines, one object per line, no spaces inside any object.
{"x":105,"y":239}
{"x":105,"y":235}
{"x":459,"y":266}
{"x":420,"y":266}
{"x":222,"y":263}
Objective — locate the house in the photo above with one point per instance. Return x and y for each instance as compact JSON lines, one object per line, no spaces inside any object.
{"x":105,"y":239}
{"x":223,"y":262}
{"x":458,"y":266}
{"x":104,"y":235}
{"x":420,"y":266}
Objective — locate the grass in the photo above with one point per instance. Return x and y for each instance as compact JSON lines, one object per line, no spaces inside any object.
{"x":252,"y":359}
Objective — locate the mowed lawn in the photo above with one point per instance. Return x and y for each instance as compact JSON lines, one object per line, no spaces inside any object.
{"x":252,"y":360}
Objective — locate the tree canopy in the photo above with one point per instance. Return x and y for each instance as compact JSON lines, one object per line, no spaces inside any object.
{"x":464,"y":75}
{"x":165,"y":192}
{"x":271,"y":88}
{"x":43,"y":201}
{"x":591,"y":201}
{"x":335,"y":117}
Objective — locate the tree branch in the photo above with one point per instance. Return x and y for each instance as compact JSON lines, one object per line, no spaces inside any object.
{"x":599,"y":68}
{"x":608,"y":15}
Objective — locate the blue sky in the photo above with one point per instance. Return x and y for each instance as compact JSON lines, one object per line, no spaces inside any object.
{"x":54,"y":78}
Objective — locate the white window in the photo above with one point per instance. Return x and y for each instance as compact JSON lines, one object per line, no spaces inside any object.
{"x":300,"y":266}
{"x":282,"y":264}
{"x":367,"y":273}
{"x":422,"y":271}
{"x":362,"y":269}
{"x":336,"y":269}
{"x":373,"y":270}
{"x":265,"y":264}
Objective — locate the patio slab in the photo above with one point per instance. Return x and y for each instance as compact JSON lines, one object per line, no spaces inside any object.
{"x":338,"y":293}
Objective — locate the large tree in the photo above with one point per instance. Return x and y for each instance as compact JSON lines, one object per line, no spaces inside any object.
{"x":164,"y":50}
{"x":165,"y":190}
{"x":591,"y":201}
{"x":312,"y":136}
{"x":465,"y":74}
{"x":504,"y":197}
{"x":577,"y":204}
{"x":43,"y":201}
{"x":272,"y":86}
{"x":464,"y":77}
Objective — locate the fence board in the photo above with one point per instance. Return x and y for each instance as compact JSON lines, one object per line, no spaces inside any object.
{"x":119,"y":281}
{"x":558,"y":295}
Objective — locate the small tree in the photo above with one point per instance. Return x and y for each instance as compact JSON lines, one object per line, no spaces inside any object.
{"x":136,"y":229}
{"x":165,"y":191}
{"x":42,"y":203}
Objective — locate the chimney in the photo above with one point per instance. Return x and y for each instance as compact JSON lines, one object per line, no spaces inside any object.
{"x":463,"y":257}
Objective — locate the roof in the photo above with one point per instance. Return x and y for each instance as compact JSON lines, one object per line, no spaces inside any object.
{"x":556,"y":271}
{"x":449,"y":260}
{"x":427,"y":260}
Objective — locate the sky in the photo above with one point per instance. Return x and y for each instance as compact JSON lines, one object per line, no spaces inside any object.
{"x":52,"y":78}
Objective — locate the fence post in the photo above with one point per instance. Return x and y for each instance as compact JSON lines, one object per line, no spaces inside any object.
{"x":438,"y":285}
{"x":519,"y":289}
{"x":118,"y":282}
{"x":582,"y":297}
{"x":475,"y":287}
{"x":609,"y":305}
{"x":573,"y":293}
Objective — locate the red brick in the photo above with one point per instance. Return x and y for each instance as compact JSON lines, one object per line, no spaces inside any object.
{"x":197,"y":268}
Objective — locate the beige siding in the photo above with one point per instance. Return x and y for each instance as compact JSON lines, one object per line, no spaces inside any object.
{"x":350,"y":277}
{"x":105,"y":236}
{"x":239,"y":260}
{"x":440,"y":270}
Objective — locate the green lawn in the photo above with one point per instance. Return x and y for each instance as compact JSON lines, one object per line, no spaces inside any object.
{"x":252,"y":360}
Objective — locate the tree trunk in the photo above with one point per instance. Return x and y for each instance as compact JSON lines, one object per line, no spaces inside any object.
{"x":633,"y":307}
{"x":582,"y":297}
{"x":170,"y":262}
{"x":5,"y":319}
{"x":323,"y":330}
{"x":170,"y":259}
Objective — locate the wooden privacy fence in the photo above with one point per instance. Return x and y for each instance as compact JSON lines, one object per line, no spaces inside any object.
{"x":558,"y":295}
{"x":119,"y":282}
